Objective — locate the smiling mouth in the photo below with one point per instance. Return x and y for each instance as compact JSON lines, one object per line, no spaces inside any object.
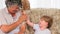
{"x":15,"y":11}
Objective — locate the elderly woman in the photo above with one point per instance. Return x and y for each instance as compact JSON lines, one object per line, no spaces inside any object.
{"x":11,"y":18}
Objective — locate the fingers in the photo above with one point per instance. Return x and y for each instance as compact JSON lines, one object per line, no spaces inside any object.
{"x":23,"y":17}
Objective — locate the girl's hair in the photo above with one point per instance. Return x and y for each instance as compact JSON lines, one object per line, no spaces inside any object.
{"x":48,"y":19}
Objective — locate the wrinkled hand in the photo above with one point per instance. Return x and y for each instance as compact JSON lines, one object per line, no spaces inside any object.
{"x":23,"y":17}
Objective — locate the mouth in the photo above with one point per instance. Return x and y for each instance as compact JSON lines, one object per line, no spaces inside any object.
{"x":15,"y":11}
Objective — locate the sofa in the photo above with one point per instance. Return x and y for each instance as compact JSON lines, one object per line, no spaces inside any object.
{"x":35,"y":14}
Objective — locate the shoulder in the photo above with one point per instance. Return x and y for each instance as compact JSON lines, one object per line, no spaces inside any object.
{"x":3,"y":10}
{"x":36,"y":26}
{"x":48,"y":31}
{"x":1,"y":13}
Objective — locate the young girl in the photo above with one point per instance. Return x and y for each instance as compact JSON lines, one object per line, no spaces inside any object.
{"x":43,"y":25}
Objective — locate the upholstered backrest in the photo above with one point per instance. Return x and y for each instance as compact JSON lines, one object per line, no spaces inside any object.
{"x":35,"y":14}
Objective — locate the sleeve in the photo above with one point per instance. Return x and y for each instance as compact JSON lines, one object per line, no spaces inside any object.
{"x":36,"y":26}
{"x":2,"y":20}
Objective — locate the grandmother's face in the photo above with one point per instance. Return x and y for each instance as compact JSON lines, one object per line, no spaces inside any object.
{"x":13,"y":9}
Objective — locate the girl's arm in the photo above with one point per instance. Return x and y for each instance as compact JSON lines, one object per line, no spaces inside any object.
{"x":29,"y":23}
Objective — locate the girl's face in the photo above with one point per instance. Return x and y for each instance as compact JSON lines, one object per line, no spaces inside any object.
{"x":43,"y":23}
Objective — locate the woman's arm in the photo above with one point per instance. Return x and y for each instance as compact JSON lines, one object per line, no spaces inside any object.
{"x":22,"y":29}
{"x":8,"y":28}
